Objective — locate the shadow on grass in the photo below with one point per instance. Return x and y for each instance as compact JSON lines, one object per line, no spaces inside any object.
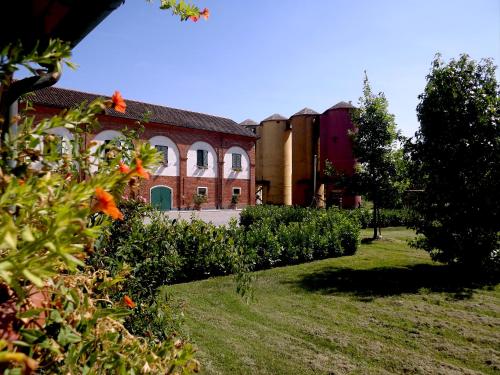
{"x":368,"y":284}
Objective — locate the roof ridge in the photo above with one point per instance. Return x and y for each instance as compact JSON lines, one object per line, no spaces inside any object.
{"x":60,"y":97}
{"x":341,"y":105}
{"x":305,"y":111}
{"x":275,"y":117}
{"x":139,"y":102}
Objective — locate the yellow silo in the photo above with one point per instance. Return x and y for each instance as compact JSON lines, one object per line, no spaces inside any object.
{"x":305,"y":129}
{"x":273,"y":132}
{"x":287,"y":165}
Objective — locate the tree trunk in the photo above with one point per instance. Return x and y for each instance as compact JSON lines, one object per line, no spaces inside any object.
{"x":376,"y":214}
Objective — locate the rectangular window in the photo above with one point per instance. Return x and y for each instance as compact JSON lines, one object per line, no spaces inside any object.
{"x":202,"y":191}
{"x":164,"y":151}
{"x":236,"y":191}
{"x":202,"y":158}
{"x":236,"y":162}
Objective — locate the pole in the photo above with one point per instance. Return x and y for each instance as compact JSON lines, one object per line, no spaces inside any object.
{"x":315,"y":164}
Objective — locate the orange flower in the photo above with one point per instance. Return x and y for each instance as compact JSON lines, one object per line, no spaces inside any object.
{"x":119,"y":104}
{"x":194,"y":18}
{"x":205,"y":13}
{"x":128,"y":301}
{"x":20,"y":182}
{"x":140,"y":170}
{"x":124,"y":168}
{"x":106,"y":203}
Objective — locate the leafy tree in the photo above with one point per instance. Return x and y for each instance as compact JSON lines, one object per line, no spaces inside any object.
{"x":456,"y":159}
{"x":373,"y":144}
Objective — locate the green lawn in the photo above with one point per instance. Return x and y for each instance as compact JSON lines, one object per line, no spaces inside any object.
{"x":387,"y":309}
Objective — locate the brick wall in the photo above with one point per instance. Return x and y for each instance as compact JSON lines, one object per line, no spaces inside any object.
{"x":183,"y":187}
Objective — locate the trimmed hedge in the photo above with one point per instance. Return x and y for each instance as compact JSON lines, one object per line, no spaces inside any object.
{"x":165,"y":251}
{"x":156,"y":251}
{"x":275,"y":215}
{"x":274,"y":235}
{"x":152,"y":251}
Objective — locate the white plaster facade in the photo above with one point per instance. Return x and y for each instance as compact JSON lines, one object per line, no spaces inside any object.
{"x":173,"y":166}
{"x":99,"y":139}
{"x":193,"y":170}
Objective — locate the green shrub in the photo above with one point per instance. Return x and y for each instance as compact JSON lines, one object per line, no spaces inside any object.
{"x":394,"y":218}
{"x":275,"y":214}
{"x":288,"y":235}
{"x":388,"y":217}
{"x":157,"y":251}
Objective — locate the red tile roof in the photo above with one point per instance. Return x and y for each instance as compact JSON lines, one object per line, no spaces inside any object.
{"x":64,"y":98}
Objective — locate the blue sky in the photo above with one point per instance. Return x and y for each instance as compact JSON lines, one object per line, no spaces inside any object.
{"x":255,"y":58}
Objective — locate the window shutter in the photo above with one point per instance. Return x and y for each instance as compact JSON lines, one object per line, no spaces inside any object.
{"x":202,"y":158}
{"x":199,"y":158}
{"x":236,"y":161}
{"x":205,"y":158}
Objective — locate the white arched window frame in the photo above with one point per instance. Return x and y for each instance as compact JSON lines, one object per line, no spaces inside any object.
{"x":65,"y":143}
{"x":172,"y":168}
{"x":98,"y":141}
{"x":209,"y":169}
{"x":66,"y":138}
{"x":241,"y":172}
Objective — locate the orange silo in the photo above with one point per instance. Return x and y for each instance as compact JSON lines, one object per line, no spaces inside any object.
{"x":305,"y":145}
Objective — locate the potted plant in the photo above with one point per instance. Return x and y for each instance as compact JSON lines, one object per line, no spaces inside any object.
{"x":198,"y":200}
{"x":234,"y":200}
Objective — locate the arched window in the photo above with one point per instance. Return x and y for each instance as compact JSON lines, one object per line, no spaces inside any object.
{"x":102,"y":138}
{"x":170,"y":163}
{"x":236,"y":164}
{"x":201,"y":160}
{"x":65,"y":138}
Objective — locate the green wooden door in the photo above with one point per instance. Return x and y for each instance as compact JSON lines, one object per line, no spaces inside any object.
{"x":161,"y":198}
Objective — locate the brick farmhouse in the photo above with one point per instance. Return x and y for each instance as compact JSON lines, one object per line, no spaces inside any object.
{"x":203,"y":154}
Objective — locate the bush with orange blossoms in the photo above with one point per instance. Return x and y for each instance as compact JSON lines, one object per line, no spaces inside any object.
{"x":105,"y":203}
{"x":53,"y":208}
{"x":118,"y":104}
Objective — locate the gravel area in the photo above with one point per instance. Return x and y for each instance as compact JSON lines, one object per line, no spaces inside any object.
{"x":217,"y":217}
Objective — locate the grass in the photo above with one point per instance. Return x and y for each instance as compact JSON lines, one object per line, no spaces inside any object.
{"x":387,"y":309}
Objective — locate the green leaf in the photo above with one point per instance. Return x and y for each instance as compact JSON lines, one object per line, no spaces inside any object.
{"x":32,"y":336}
{"x":73,"y":260}
{"x":30,"y":313}
{"x":68,"y":336}
{"x":27,"y":235}
{"x":33,"y":278}
{"x":56,"y":316}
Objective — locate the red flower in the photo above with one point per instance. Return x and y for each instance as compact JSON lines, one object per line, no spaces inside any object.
{"x":140,"y":170}
{"x":124,"y":168}
{"x":106,"y":203}
{"x":128,"y":301}
{"x":119,"y":104}
{"x":194,"y":18}
{"x":205,"y":13}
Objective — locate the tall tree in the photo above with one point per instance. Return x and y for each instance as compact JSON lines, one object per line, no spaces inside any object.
{"x":374,"y":141}
{"x":456,"y":159}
